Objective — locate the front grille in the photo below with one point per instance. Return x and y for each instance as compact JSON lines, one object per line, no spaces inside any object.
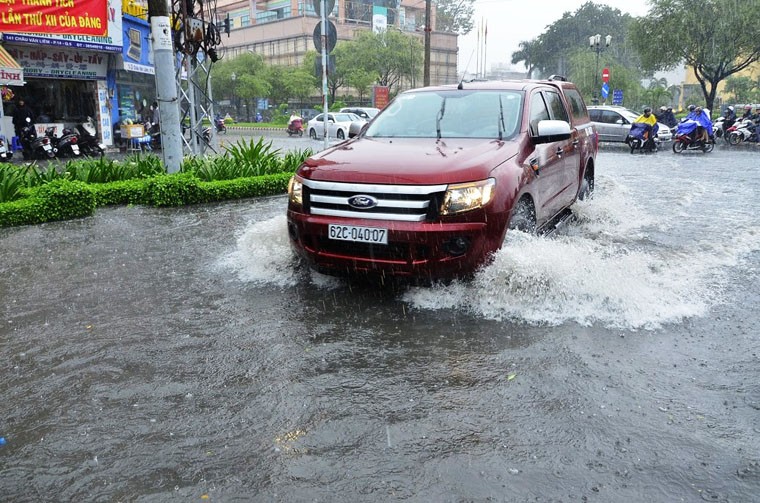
{"x":407,"y":203}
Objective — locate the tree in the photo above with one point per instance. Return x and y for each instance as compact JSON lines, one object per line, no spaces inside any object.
{"x":742,"y":87}
{"x":717,"y":39}
{"x":388,"y":56}
{"x":527,"y":54}
{"x":550,"y":52}
{"x":454,"y":16}
{"x":251,"y":80}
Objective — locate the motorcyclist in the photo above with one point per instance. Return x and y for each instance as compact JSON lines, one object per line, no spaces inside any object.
{"x":295,"y":122}
{"x":650,"y":122}
{"x":670,"y":118}
{"x":748,"y":113}
{"x":729,"y":118}
{"x":704,"y":129}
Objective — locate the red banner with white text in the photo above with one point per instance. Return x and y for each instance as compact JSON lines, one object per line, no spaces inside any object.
{"x":60,"y":17}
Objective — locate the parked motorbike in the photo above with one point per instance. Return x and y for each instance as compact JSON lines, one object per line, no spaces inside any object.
{"x":68,"y":144}
{"x":6,"y":152}
{"x":643,"y":137}
{"x":743,"y":131}
{"x":88,"y":140}
{"x":34,"y":147}
{"x":686,"y":138}
{"x":295,"y":128}
{"x":154,"y":131}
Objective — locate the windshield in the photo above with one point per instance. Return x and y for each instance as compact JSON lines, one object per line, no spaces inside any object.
{"x":455,"y":114}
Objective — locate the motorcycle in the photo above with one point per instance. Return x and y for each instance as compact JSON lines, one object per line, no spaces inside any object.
{"x":154,"y":131}
{"x":686,"y":138}
{"x":295,"y":128}
{"x":88,"y":141}
{"x":6,"y":153}
{"x":743,"y":131}
{"x":643,"y":137}
{"x":34,"y":147}
{"x":68,"y":144}
{"x":221,"y":127}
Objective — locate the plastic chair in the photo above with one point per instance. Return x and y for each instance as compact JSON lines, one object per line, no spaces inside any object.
{"x":16,"y":144}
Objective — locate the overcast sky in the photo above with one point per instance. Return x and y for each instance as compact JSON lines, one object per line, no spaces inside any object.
{"x":509,"y":22}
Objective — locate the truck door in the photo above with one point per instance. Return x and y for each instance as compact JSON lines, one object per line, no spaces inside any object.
{"x":571,"y":149}
{"x":550,"y":161}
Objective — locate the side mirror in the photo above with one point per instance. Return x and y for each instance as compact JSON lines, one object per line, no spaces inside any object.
{"x":620,"y":122}
{"x":551,"y":130}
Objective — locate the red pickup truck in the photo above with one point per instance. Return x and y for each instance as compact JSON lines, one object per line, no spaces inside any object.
{"x":431,"y":186}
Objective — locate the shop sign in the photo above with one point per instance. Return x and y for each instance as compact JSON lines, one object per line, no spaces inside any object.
{"x":107,"y":39}
{"x":51,"y":62}
{"x":137,"y":55}
{"x":136,"y":8}
{"x":69,"y":17}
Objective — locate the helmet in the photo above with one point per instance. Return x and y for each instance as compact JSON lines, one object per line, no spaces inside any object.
{"x":748,"y":107}
{"x":691,"y":108}
{"x":730,"y":108}
{"x":647,"y":110}
{"x":663,"y":107}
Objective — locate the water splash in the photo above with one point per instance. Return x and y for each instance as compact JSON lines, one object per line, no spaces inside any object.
{"x":617,"y":265}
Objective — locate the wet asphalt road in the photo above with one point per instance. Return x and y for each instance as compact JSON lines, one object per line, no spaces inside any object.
{"x":182,"y":355}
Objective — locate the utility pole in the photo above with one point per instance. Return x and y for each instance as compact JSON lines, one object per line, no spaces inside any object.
{"x":166,"y":88}
{"x":428,"y":29}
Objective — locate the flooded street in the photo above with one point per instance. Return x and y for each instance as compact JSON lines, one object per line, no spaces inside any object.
{"x":153,"y":354}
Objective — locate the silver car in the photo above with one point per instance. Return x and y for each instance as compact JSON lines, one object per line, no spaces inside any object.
{"x":365,"y":114}
{"x":613,"y":123}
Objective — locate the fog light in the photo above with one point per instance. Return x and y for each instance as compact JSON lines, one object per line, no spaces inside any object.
{"x":457,"y":246}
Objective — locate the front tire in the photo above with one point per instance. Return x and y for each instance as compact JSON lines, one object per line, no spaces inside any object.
{"x":708,"y":147}
{"x":524,"y":216}
{"x":634,"y":144}
{"x":735,"y":138}
{"x":587,"y":187}
{"x":677,"y":147}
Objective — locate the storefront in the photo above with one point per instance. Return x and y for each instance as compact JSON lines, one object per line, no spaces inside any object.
{"x":67,"y":76}
{"x":11,"y":80}
{"x":134,"y":72}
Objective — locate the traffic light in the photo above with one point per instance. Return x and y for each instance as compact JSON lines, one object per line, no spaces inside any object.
{"x":227,"y":25}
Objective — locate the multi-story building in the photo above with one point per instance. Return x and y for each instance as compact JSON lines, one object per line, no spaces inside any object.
{"x":281,"y":31}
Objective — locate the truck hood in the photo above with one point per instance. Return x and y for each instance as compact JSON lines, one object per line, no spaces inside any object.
{"x":415,"y":161}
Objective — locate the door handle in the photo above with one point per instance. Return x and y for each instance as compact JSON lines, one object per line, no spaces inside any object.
{"x":575,"y":143}
{"x":560,"y":151}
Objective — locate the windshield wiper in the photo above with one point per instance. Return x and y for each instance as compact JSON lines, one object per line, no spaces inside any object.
{"x":440,"y":116}
{"x":500,"y":122}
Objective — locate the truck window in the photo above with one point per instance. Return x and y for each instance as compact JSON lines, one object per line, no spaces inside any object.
{"x":577,"y":106}
{"x":538,"y":112}
{"x":556,"y":106}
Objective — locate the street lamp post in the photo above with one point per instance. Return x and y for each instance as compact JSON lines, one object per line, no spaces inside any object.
{"x":233,"y":77}
{"x":595,"y":44}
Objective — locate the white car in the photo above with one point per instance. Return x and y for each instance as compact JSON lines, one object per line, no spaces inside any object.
{"x":338,"y":125}
{"x":613,"y":123}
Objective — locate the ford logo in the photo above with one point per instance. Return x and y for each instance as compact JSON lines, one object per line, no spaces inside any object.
{"x":362,"y":202}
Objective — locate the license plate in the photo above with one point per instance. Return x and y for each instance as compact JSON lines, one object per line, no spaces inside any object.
{"x":75,"y":149}
{"x":46,"y":147}
{"x":101,"y":146}
{"x":374,"y":235}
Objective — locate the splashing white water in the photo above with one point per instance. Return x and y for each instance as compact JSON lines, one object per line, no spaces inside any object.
{"x":616,"y":265}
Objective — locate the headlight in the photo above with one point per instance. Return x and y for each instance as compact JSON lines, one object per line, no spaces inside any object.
{"x":295,"y":191}
{"x":467,"y":196}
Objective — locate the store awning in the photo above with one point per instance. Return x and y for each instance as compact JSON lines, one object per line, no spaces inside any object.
{"x":11,"y":73}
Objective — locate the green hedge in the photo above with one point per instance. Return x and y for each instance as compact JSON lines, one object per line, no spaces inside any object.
{"x":64,"y":199}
